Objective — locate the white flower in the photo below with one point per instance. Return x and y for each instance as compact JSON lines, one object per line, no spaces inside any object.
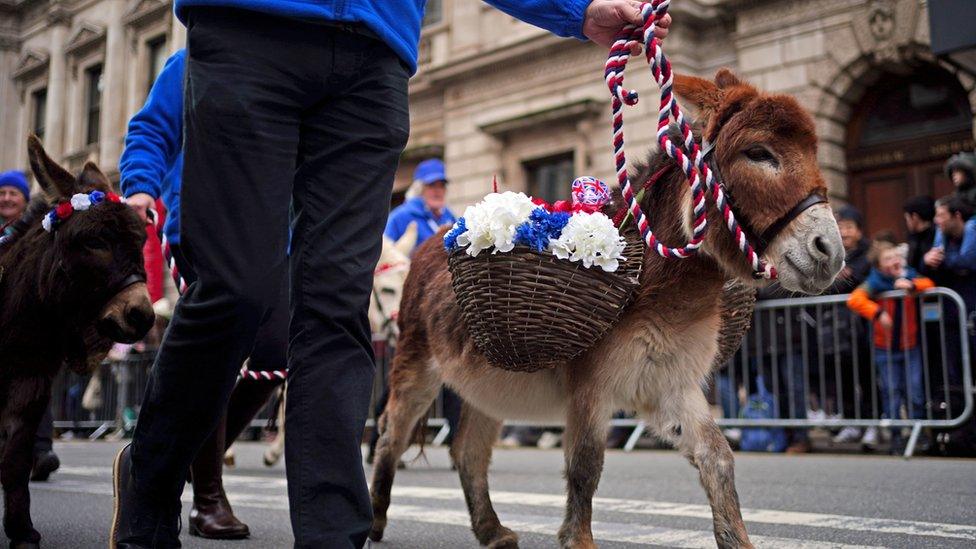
{"x":46,"y":223}
{"x":80,"y":202}
{"x":592,"y":239}
{"x":492,"y":222}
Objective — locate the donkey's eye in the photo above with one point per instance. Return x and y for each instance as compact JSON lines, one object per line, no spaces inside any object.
{"x":389,"y":291}
{"x":761,"y":154}
{"x":97,"y":244}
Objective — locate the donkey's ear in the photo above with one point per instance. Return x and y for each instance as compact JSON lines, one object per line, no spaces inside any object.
{"x":725,"y":78}
{"x":55,"y":180}
{"x":703,"y":93}
{"x":408,"y":240}
{"x":92,"y":177}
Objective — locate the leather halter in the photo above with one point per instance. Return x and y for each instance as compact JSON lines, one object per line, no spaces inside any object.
{"x":762,"y":240}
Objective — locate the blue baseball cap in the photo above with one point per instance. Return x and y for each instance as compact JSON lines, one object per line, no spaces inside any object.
{"x":430,"y":171}
{"x":17,"y":180}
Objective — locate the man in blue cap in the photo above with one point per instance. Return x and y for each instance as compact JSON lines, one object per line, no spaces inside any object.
{"x":14,"y":196}
{"x":428,"y":210}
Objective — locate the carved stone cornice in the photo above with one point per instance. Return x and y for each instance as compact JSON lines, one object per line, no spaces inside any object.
{"x":146,"y":12}
{"x":87,"y":37}
{"x":31,"y":64}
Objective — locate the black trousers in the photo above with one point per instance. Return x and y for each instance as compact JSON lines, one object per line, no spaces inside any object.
{"x":280,"y":111}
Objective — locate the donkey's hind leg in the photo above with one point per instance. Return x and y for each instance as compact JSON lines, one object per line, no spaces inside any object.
{"x":413,"y":386}
{"x":686,"y":420}
{"x":471,"y":451}
{"x":27,"y":398}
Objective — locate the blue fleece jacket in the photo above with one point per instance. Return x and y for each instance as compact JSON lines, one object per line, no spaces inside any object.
{"x":415,"y":211}
{"x":397,"y":22}
{"x":152,"y":162}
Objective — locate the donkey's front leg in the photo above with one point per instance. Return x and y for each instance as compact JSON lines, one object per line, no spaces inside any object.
{"x":584,"y":444}
{"x":27,"y":399}
{"x":706,"y":448}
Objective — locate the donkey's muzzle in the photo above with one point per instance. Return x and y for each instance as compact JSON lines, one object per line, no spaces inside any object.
{"x":128,"y":316}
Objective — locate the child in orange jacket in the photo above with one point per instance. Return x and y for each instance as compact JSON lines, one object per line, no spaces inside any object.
{"x":896,"y":355}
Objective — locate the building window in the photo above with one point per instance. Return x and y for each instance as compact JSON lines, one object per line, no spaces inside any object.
{"x":157,"y":58}
{"x":93,"y":103}
{"x":550,"y":178}
{"x":39,"y":110}
{"x":433,"y":13}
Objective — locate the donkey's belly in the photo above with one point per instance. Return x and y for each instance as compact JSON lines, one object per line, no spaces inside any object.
{"x":538,"y":396}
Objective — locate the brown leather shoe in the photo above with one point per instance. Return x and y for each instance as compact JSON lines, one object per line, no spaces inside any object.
{"x":212,"y":516}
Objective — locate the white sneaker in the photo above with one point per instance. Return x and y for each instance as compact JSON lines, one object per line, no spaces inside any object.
{"x":511,"y":441}
{"x":549,"y":440}
{"x":870,"y":439}
{"x":847,"y":434}
{"x":733,"y":434}
{"x":816,"y":415}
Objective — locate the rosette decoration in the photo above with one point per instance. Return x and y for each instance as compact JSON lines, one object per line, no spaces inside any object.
{"x":575,"y":231}
{"x":531,"y":278}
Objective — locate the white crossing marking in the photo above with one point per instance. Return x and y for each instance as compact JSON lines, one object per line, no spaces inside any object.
{"x":601,"y":504}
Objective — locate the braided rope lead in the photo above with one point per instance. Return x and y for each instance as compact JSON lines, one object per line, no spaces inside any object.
{"x":688,"y":155}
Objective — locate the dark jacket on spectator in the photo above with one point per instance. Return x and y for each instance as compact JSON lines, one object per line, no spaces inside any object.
{"x":857,"y":262}
{"x":918,"y":244}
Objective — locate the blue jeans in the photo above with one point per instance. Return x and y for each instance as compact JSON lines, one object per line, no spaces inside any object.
{"x":896,"y":388}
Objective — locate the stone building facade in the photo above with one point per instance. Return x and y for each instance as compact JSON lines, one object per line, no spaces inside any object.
{"x":494,"y":96}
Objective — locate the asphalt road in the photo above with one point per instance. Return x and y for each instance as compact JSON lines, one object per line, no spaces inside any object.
{"x":646,"y":499}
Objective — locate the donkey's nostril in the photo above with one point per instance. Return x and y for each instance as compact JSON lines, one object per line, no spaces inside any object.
{"x":821,"y":245}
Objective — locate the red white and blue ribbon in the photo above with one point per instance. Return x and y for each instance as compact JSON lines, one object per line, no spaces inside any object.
{"x":78,"y":203}
{"x":687,"y":154}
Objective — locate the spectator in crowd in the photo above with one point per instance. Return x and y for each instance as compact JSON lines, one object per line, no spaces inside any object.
{"x":919,"y":214}
{"x":897,"y":359}
{"x":843,"y":341}
{"x":152,"y":165}
{"x":14,"y":196}
{"x":961,"y":169}
{"x":952,"y":263}
{"x":428,"y":210}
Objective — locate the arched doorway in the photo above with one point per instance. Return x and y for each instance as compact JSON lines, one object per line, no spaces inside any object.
{"x":900,"y":135}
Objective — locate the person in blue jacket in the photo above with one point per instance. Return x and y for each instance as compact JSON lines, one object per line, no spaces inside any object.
{"x":297,"y":103}
{"x":428,"y":210}
{"x":153,"y":161}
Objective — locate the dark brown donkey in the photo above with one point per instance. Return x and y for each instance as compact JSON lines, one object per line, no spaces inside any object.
{"x":65,"y":296}
{"x":659,"y":356}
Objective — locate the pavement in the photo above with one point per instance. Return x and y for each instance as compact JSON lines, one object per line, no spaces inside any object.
{"x":645,"y":499}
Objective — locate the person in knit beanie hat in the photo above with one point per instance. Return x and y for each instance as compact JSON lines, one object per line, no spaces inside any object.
{"x":14,"y":196}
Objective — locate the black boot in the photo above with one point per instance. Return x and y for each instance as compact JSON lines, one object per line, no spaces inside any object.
{"x":212,"y":516}
{"x":45,"y":463}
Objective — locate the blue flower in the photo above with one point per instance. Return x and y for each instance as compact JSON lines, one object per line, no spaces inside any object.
{"x":96,"y":196}
{"x":450,"y":239}
{"x":542,"y":226}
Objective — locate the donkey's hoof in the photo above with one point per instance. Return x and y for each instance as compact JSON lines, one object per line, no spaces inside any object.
{"x":25,"y":545}
{"x":506,"y":539}
{"x":376,"y":531}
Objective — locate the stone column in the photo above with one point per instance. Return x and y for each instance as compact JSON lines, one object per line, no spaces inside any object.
{"x":57,"y":78}
{"x":9,"y":104}
{"x":177,"y":37}
{"x":113,"y":89}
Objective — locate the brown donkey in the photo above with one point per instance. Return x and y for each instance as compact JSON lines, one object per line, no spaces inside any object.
{"x":658,"y":358}
{"x":65,"y":296}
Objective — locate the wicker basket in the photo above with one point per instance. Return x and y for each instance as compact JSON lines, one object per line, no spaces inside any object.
{"x":528,"y":311}
{"x":738,"y":303}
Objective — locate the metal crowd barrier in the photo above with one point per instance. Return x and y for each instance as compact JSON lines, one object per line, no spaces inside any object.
{"x":809,"y":351}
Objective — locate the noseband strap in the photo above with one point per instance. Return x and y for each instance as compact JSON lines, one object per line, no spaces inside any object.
{"x":128,"y":281}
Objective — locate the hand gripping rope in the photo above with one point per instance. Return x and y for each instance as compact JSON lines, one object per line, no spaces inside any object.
{"x":688,"y":155}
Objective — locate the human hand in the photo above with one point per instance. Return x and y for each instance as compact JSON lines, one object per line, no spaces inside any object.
{"x":141,"y":203}
{"x":604,"y":19}
{"x":885,"y":320}
{"x":904,"y":284}
{"x":934,"y":257}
